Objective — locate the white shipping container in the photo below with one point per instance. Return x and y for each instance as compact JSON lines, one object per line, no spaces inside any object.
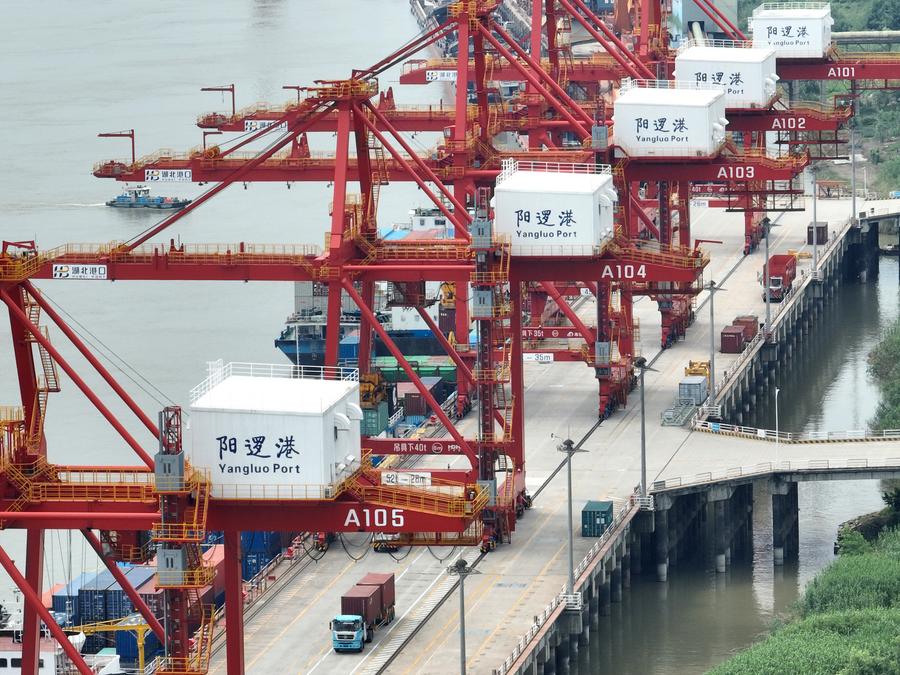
{"x":793,"y":29}
{"x":554,"y":210}
{"x":264,"y":433}
{"x":747,"y":76}
{"x":669,"y":119}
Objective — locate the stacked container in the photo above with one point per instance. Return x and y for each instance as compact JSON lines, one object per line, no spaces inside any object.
{"x":375,"y":419}
{"x":750,"y":324}
{"x":793,"y":29}
{"x":669,"y":118}
{"x":65,"y":600}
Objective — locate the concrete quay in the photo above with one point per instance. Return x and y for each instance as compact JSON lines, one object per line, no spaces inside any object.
{"x":517,"y":582}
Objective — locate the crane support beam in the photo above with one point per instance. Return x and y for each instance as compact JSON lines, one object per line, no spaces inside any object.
{"x":81,"y":347}
{"x":848,"y":66}
{"x":132,"y":594}
{"x":413,"y":377}
{"x":795,"y":118}
{"x":621,"y":268}
{"x":33,"y":604}
{"x":589,"y":335}
{"x":36,"y":333}
{"x":234,"y":603}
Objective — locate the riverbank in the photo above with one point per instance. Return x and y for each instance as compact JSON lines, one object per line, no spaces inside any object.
{"x":847,"y":621}
{"x":884,"y":366}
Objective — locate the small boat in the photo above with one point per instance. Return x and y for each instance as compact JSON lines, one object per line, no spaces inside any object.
{"x":138,"y":197}
{"x":893,"y":249}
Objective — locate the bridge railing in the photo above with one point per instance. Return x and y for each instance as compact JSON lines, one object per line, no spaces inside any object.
{"x":791,"y":437}
{"x":558,"y":604}
{"x":775,"y":467}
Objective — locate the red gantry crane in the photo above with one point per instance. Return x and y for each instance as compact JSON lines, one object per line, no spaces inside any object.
{"x":565,"y":117}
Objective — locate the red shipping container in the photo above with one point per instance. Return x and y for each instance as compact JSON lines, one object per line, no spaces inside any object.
{"x":364,"y":601}
{"x":385,"y":581}
{"x":447,"y":320}
{"x":732,"y":340}
{"x":750,"y":324}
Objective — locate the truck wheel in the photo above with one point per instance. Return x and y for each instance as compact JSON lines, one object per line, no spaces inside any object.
{"x":361,"y":647}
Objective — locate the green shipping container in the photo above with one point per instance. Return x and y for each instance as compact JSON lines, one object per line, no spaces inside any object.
{"x":595,"y":518}
{"x":375,"y":419}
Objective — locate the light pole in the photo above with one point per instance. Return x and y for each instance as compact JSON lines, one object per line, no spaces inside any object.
{"x":568,"y":447}
{"x":713,"y":289}
{"x":461,"y":569}
{"x":813,"y":169}
{"x":641,"y":363}
{"x":852,"y":169}
{"x":767,"y":224}
{"x":777,"y":435}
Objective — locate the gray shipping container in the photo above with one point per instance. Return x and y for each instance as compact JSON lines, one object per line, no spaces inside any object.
{"x":694,"y":388}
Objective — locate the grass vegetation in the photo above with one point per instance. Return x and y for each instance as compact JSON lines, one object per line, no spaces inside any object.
{"x":884,"y":366}
{"x":848,"y":620}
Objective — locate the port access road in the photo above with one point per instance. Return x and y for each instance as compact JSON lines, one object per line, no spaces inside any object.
{"x":516,"y":582}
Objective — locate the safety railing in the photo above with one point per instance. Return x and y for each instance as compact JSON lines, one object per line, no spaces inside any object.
{"x":510,"y":166}
{"x":342,"y":89}
{"x":629,"y":83}
{"x":11,"y":414}
{"x":428,"y":501}
{"x":219,"y":373}
{"x":727,"y":44}
{"x":195,"y":578}
{"x":842,"y":56}
{"x":274,"y":492}
{"x":654,"y":253}
{"x":787,"y":466}
{"x":776,"y":6}
{"x":854,"y":435}
{"x":105,"y":492}
{"x":558,"y":604}
{"x":778,"y":312}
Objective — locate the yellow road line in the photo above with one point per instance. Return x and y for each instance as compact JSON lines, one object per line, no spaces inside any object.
{"x":515,"y":606}
{"x":310,"y":604}
{"x":454,"y":618}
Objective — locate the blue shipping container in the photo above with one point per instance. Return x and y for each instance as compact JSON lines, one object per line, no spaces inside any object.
{"x":118,"y":603}
{"x":267,"y":543}
{"x":92,"y":598}
{"x":65,"y":600}
{"x":126,"y":642}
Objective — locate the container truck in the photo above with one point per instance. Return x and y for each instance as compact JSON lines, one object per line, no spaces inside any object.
{"x":364,"y":608}
{"x":782,"y":272}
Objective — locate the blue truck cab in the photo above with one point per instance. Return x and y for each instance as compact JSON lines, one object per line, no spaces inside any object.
{"x":348,"y":633}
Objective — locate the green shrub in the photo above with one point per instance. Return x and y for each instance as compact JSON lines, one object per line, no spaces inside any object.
{"x":854,"y":582}
{"x":852,"y":542}
{"x":857,"y":642}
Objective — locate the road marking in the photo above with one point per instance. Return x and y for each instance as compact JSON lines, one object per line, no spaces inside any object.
{"x":504,"y":624}
{"x":525,"y":548}
{"x":379,"y":640}
{"x":300,"y":614}
{"x":381,"y":643}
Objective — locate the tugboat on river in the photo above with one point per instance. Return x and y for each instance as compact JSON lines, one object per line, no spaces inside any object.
{"x":138,"y":197}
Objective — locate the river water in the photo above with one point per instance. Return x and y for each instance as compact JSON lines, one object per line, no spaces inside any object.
{"x":70,"y":70}
{"x":699,"y":618}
